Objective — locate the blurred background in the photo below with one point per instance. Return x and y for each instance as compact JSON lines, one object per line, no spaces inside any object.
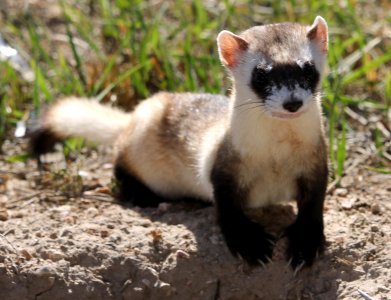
{"x":122,"y":51}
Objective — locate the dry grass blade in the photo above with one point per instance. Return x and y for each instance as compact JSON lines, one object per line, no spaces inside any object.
{"x":347,"y":63}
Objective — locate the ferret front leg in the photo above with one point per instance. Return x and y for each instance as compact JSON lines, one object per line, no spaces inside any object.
{"x":244,"y":237}
{"x":305,"y":236}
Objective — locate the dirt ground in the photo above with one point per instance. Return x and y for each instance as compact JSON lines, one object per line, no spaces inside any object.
{"x":62,"y":236}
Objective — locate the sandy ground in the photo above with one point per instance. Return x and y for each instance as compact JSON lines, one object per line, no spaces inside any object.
{"x":64,"y":237}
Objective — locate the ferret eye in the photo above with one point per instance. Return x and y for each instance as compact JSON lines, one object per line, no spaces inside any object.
{"x":309,"y":68}
{"x":308,"y":64}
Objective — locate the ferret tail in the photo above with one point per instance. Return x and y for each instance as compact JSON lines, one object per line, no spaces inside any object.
{"x":78,"y":117}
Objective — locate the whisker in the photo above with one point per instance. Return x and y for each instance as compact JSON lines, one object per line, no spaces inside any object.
{"x":252,"y":108}
{"x":247,"y":103}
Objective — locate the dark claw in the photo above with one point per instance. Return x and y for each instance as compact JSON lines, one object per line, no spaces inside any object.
{"x":298,"y":268}
{"x":261,"y":263}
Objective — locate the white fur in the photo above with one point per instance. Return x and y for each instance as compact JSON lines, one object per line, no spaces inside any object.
{"x":88,"y":119}
{"x":207,"y":156}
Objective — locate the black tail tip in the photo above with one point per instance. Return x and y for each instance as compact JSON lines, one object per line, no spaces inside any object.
{"x":42,"y":141}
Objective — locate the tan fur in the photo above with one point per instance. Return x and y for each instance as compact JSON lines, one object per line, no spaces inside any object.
{"x":170,"y":168}
{"x":145,"y":155}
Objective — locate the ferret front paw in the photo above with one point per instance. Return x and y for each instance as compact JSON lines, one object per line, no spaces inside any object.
{"x":249,"y":241}
{"x":305,"y":242}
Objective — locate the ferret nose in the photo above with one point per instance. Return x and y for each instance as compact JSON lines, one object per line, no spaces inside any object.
{"x":292,"y":105}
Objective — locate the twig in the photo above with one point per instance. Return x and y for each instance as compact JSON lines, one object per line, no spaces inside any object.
{"x":9,"y":243}
{"x":23,"y":198}
{"x":96,"y":196}
{"x":365,"y":295}
{"x":385,"y":132}
{"x":29,"y":202}
{"x":355,"y":116}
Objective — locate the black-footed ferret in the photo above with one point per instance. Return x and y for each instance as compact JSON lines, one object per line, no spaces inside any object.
{"x":263,"y":145}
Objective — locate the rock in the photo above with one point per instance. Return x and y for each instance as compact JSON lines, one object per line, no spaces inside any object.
{"x":342,"y":192}
{"x":26,"y":254}
{"x":104,"y":233}
{"x":66,"y":232}
{"x":182,"y":254}
{"x":374,"y":228}
{"x":163,"y":207}
{"x":376,"y":209}
{"x":53,"y":235}
{"x":3,"y":214}
{"x":52,"y":255}
{"x":348,"y":203}
{"x":165,"y":287}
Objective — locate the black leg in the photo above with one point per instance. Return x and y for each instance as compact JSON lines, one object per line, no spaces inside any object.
{"x":132,"y":190}
{"x":306,"y":237}
{"x":244,"y":237}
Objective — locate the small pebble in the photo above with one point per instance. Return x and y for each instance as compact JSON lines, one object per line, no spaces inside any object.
{"x":26,"y":254}
{"x":342,"y":192}
{"x":163,"y":207}
{"x":66,"y":232}
{"x":375,"y":209}
{"x":52,"y":255}
{"x":348,"y":203}
{"x":3,"y":215}
{"x":182,"y":254}
{"x":164,"y":286}
{"x":104,"y":233}
{"x":375,"y":228}
{"x":19,"y":214}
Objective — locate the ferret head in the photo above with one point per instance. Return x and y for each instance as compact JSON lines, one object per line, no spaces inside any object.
{"x":278,"y":66}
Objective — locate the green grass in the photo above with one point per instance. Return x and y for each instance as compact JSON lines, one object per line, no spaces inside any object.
{"x":123,"y":51}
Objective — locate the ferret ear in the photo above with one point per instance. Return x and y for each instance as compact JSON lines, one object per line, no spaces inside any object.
{"x":231,"y":47}
{"x":318,"y":33}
